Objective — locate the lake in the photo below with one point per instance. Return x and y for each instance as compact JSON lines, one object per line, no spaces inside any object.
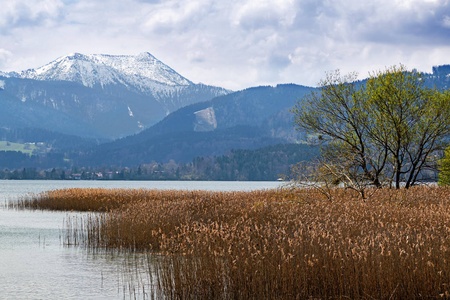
{"x":34,"y":263}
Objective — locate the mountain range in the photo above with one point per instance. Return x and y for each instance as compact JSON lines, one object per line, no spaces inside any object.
{"x":248,"y":119}
{"x":97,"y":96}
{"x":124,"y":111}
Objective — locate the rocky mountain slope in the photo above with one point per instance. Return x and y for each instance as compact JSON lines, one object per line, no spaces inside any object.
{"x":248,"y":119}
{"x":113,"y":106}
{"x":142,"y":71}
{"x":109,"y":96}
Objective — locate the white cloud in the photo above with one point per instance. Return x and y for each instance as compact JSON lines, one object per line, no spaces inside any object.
{"x":18,"y":13}
{"x":446,"y":22}
{"x":256,"y":14}
{"x":235,"y":44}
{"x":177,"y":16}
{"x":5,"y":55}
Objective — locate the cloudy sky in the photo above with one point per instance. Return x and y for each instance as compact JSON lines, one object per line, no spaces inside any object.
{"x":234,"y":43}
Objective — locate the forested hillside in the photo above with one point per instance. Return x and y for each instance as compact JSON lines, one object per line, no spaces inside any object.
{"x":249,"y":119}
{"x":267,"y":163}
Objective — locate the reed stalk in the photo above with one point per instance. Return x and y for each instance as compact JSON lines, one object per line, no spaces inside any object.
{"x":273,"y":244}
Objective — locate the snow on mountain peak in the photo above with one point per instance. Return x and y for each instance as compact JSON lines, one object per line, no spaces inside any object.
{"x":142,"y":71}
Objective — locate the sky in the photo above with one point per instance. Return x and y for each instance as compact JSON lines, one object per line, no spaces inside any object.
{"x":233,"y":44}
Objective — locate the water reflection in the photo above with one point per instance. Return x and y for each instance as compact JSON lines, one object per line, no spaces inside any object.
{"x":34,"y":263}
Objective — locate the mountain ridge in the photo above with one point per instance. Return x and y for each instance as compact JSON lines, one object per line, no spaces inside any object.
{"x":192,"y":126}
{"x":247,"y":119}
{"x":103,"y":69}
{"x":109,"y":96}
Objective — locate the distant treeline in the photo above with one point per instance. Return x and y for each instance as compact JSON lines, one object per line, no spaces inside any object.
{"x":57,"y":141}
{"x":12,"y":159}
{"x":268,"y":163}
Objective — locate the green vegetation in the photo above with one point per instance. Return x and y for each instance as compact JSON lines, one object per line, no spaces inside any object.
{"x":444,"y":168}
{"x":275,"y":244}
{"x":46,"y":139}
{"x":268,"y":163}
{"x":386,"y":130}
{"x":27,"y":148}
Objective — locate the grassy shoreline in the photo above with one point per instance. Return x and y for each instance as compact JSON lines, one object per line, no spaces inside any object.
{"x":273,"y":244}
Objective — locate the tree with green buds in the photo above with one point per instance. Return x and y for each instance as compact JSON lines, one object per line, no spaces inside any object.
{"x":391,"y":126}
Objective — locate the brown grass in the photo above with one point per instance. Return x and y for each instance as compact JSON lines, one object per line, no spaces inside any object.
{"x":275,"y":244}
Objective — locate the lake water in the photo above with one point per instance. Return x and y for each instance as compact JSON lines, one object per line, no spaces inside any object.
{"x":34,"y":264}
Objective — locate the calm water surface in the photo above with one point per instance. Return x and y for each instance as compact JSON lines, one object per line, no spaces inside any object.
{"x":35,"y":265}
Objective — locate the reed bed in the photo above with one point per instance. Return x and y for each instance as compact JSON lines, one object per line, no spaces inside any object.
{"x":82,"y":199}
{"x":277,"y":244}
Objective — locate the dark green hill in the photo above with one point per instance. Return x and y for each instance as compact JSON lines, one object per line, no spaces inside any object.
{"x":251,"y":107}
{"x":267,"y":163}
{"x":247,"y":119}
{"x":56,"y":141}
{"x":98,"y":112}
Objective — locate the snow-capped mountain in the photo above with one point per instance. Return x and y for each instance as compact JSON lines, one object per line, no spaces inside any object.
{"x":113,"y":95}
{"x":141,"y":71}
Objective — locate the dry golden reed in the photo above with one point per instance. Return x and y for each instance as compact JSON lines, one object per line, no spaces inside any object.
{"x":275,"y":244}
{"x":81,"y":199}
